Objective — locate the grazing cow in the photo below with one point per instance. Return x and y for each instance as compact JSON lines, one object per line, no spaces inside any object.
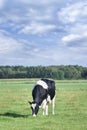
{"x":43,"y":93}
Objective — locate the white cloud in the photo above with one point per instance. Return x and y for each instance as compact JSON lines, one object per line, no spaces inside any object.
{"x":16,"y":48}
{"x":73,"y":13}
{"x":10,"y":46}
{"x":36,"y":14}
{"x":76,"y":35}
{"x":37,"y":28}
{"x":73,"y":37}
{"x":2,"y":2}
{"x":70,"y":38}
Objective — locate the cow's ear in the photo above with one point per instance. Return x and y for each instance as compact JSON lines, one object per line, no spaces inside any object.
{"x":29,"y":102}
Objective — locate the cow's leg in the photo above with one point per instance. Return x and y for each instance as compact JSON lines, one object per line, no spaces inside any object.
{"x":53,"y":105}
{"x":43,"y":112}
{"x":44,"y":106}
{"x":46,"y":109}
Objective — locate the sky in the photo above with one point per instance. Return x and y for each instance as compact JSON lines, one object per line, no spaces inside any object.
{"x":43,"y":32}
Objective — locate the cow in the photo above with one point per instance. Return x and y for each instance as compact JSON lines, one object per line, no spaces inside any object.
{"x":43,"y":93}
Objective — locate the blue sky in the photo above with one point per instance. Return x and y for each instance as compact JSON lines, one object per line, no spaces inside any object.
{"x":43,"y":32}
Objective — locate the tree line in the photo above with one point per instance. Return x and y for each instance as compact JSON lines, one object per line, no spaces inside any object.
{"x":55,"y":72}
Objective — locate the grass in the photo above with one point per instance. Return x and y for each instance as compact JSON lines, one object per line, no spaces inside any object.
{"x":70,"y":109}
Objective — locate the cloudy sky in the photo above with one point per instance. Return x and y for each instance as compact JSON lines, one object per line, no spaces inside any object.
{"x":43,"y":32}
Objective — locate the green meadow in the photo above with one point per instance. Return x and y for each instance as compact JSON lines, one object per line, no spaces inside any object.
{"x":70,"y":106}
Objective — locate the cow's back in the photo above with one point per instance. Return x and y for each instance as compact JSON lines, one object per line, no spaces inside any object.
{"x":51,"y":87}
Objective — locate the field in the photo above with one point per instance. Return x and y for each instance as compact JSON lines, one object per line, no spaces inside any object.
{"x":70,"y":109}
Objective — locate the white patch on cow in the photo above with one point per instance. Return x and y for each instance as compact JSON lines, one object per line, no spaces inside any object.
{"x":49,"y":99}
{"x":43,"y":84}
{"x":33,"y":105}
{"x":34,"y":115}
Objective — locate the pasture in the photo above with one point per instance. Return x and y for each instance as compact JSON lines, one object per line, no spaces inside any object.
{"x":70,"y":107}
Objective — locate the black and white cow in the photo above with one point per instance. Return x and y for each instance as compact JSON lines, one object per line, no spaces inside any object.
{"x":43,"y":93}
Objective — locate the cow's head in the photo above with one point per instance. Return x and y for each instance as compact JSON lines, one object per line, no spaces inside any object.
{"x":34,"y":108}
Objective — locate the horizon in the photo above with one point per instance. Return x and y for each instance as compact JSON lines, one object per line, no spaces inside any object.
{"x":40,"y":66}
